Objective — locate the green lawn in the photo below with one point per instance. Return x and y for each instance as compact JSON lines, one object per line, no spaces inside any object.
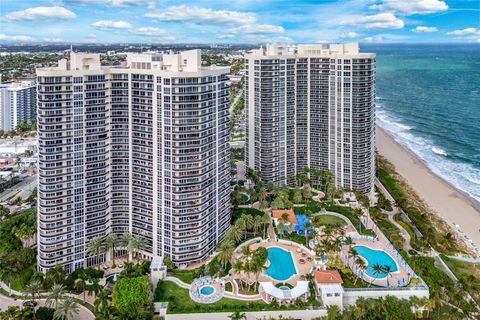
{"x":348,"y":212}
{"x":179,"y":301}
{"x":186,"y":276}
{"x":324,"y":220}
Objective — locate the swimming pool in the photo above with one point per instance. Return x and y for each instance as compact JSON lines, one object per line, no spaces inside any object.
{"x":207,"y":290}
{"x":376,"y":257}
{"x":281,"y":264}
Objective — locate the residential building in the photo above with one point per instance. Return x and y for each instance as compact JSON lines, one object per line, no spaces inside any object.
{"x":311,"y":106}
{"x":141,"y":149}
{"x":18,"y":102}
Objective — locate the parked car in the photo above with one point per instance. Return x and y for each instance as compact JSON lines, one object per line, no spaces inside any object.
{"x":31,"y":304}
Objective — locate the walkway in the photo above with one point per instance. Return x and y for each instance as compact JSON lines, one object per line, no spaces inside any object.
{"x":403,"y":232}
{"x":5,"y":302}
{"x":284,"y":314}
{"x":16,"y":299}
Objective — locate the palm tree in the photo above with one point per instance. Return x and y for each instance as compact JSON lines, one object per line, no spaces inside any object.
{"x":237,"y":315}
{"x":55,"y":275}
{"x":353,"y":253}
{"x":225,"y":252}
{"x":348,"y":242}
{"x":111,"y":243}
{"x":136,"y":244}
{"x":308,"y":226}
{"x":67,"y":310}
{"x":262,"y":194}
{"x":257,"y":224}
{"x":249,"y":222}
{"x":81,"y":283}
{"x":234,"y":233}
{"x":237,"y":267}
{"x":247,"y":252}
{"x":94,"y":287}
{"x":32,"y":291}
{"x":387,"y":270}
{"x":241,"y":224}
{"x":377,"y":270}
{"x":56,"y":293}
{"x":360,"y":265}
{"x":266,"y":221}
{"x":95,"y":247}
{"x":256,"y":267}
{"x":285,"y":218}
{"x":281,"y":226}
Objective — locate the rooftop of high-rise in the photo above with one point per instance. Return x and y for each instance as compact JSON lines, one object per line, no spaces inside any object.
{"x":309,"y":50}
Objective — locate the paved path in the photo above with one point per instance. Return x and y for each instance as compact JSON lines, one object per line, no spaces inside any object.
{"x":23,"y":186}
{"x":5,"y":302}
{"x":403,"y":232}
{"x":295,"y":314}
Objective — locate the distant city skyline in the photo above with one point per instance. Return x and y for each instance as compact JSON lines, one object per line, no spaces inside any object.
{"x":243,"y":21}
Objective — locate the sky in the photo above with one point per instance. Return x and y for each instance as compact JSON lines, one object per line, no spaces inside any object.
{"x":239,"y":21}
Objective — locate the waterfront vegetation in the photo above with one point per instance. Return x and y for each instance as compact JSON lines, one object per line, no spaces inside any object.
{"x":448,"y":298}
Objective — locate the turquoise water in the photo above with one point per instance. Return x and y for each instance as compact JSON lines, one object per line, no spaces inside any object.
{"x":207,"y":290}
{"x":374,"y":257}
{"x":281,"y":264}
{"x":428,"y":98}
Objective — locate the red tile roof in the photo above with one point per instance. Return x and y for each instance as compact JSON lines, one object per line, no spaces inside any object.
{"x":328,"y":276}
{"x":277,"y":214}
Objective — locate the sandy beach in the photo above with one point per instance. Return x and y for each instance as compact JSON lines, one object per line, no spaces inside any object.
{"x":449,"y":203}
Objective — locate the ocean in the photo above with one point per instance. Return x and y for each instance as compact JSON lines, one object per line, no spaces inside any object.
{"x":428,"y":99}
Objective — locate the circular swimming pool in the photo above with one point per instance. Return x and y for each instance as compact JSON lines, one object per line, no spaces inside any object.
{"x":207,"y":290}
{"x":284,"y":288}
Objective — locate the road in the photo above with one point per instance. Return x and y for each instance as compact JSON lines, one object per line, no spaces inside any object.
{"x":5,"y":302}
{"x":295,"y":314}
{"x":26,"y":186}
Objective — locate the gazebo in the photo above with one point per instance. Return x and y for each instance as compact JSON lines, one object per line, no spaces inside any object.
{"x":269,"y":292}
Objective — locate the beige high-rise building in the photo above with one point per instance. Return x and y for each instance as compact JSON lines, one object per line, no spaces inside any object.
{"x":141,"y":149}
{"x":311,"y":106}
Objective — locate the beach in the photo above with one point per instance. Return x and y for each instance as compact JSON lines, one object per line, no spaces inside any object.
{"x":449,"y":203}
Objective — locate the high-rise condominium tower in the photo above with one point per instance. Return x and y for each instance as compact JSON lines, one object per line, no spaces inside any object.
{"x":140,"y":149}
{"x":311,"y":106}
{"x":17,"y":104}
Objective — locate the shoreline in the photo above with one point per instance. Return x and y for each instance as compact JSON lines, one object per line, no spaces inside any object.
{"x":454,"y":206}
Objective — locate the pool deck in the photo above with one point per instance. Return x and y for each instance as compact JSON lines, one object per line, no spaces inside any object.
{"x":399,"y":278}
{"x":302,"y":269}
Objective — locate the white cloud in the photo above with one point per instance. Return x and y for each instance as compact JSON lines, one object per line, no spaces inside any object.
{"x":465,"y":32}
{"x":199,"y":15}
{"x":424,"y":29}
{"x":52,"y":40}
{"x":150,"y":31}
{"x":91,"y":38}
{"x":409,"y":7}
{"x":16,"y":38}
{"x":41,"y":13}
{"x":349,"y":35}
{"x":385,"y":38}
{"x":109,"y":25}
{"x":375,"y":22}
{"x":114,"y":3}
{"x":256,"y":29}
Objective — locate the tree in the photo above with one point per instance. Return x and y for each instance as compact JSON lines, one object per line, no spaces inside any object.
{"x":234,"y":233}
{"x":111,"y":243}
{"x":387,"y":270}
{"x":257,"y":223}
{"x":266,"y":221}
{"x":225,"y":252}
{"x":32,"y":291}
{"x":168,"y":262}
{"x":360,"y":265}
{"x":81,"y":283}
{"x":95,"y":247}
{"x":285,"y":218}
{"x":56,"y":293}
{"x":237,"y":315}
{"x":297,"y":196}
{"x":101,"y":301}
{"x":54,"y":275}
{"x":136,"y":244}
{"x":377,"y":270}
{"x":237,"y":267}
{"x":277,"y":204}
{"x":67,"y":310}
{"x":94,"y":287}
{"x":131,"y":295}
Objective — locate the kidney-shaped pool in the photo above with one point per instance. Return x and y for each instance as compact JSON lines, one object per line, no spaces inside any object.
{"x":374,"y":257}
{"x":281,"y":264}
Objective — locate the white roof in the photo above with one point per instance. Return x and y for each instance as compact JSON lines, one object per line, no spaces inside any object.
{"x":300,"y":289}
{"x":331,"y":288}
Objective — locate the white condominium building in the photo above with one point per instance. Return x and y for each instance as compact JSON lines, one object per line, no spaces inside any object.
{"x":140,"y":149}
{"x":311,"y":106}
{"x":18,"y":102}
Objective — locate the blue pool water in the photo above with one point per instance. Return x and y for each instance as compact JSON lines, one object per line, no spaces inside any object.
{"x":375,"y":257}
{"x":207,"y":290}
{"x":281,"y":264}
